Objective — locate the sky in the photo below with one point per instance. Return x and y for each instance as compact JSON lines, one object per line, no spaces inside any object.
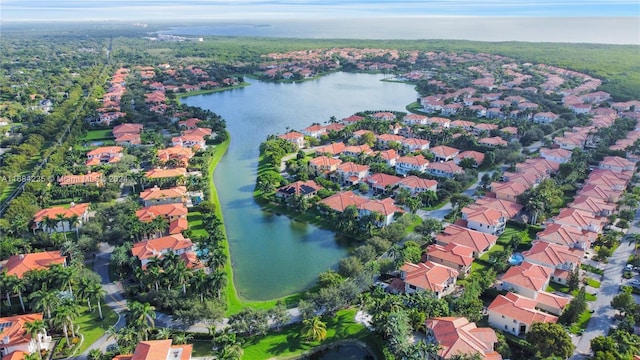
{"x":196,"y":10}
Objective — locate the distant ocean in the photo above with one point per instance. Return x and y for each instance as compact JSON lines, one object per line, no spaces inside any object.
{"x":604,"y":30}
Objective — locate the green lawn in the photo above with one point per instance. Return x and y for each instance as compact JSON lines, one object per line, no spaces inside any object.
{"x":202,"y":348}
{"x":592,"y":269}
{"x":593,"y":283}
{"x":288,"y":343}
{"x":483,"y":263}
{"x":93,"y":135}
{"x":554,"y":286}
{"x":579,"y":326}
{"x":91,"y":327}
{"x":195,"y":223}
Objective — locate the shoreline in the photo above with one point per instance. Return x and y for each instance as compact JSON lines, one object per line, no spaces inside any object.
{"x":180,"y":95}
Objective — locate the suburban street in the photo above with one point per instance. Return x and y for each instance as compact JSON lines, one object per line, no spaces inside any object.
{"x":603,"y":313}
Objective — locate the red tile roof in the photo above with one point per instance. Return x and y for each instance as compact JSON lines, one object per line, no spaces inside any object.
{"x":508,"y":209}
{"x":458,"y":336}
{"x":149,"y":213}
{"x":476,"y":240}
{"x":66,"y":212}
{"x":155,"y":193}
{"x":454,"y":253}
{"x":155,"y":247}
{"x":381,"y":180}
{"x":341,"y":201}
{"x":18,"y":265}
{"x":127,"y":129}
{"x":16,"y":330}
{"x":528,"y":275}
{"x":553,"y":255}
{"x":520,"y":308}
{"x":444,"y":151}
{"x":428,"y":275}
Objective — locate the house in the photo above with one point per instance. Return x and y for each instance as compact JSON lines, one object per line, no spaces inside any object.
{"x":127,"y":129}
{"x":340,"y":201}
{"x":428,"y":276}
{"x":607,"y":179}
{"x":16,"y":340}
{"x":350,"y":173}
{"x":158,"y":196}
{"x":172,"y":213}
{"x":159,"y":350}
{"x":493,"y":142}
{"x":189,"y":141}
{"x":484,"y":219}
{"x":323,"y":164}
{"x":527,"y":279}
{"x":383,"y":116}
{"x":189,"y":124}
{"x":103,"y":155}
{"x":492,"y":113}
{"x":451,"y":109}
{"x":476,"y":156}
{"x":508,"y":209}
{"x":455,"y":256}
{"x":414,"y":144}
{"x":447,"y":169}
{"x":294,"y":137}
{"x":381,"y":183}
{"x":128,"y":139}
{"x":414,"y":119}
{"x":417,"y":185}
{"x":544,"y":117}
{"x":465,"y":125}
{"x":405,"y":164}
{"x":180,"y":155}
{"x":66,"y":214}
{"x":384,"y":207}
{"x":352,"y":119}
{"x":444,"y":153}
{"x":156,"y":248}
{"x":567,"y":235}
{"x":509,"y":190}
{"x":332,"y":149}
{"x":597,"y":207}
{"x":165,"y":173}
{"x":201,"y":132}
{"x":617,"y":164}
{"x":561,"y":258}
{"x":557,"y":155}
{"x":90,"y":179}
{"x":478,"y":241}
{"x":579,"y":219}
{"x":305,"y":189}
{"x":356,"y":150}
{"x":457,"y":336}
{"x":601,"y":192}
{"x":19,"y":265}
{"x":314,"y":131}
{"x":515,"y":314}
{"x":390,"y":157}
{"x":385,"y":140}
{"x":580,"y":108}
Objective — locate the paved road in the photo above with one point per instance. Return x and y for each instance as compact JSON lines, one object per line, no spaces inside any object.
{"x":603,"y":314}
{"x":443,"y":211}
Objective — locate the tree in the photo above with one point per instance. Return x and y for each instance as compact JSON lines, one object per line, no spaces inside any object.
{"x":329,"y":278}
{"x":624,"y":302}
{"x":574,"y":279}
{"x":65,"y":315}
{"x":44,"y":300}
{"x":550,"y":340}
{"x":17,"y":287}
{"x":141,"y":316}
{"x":97,"y":293}
{"x":278,"y":316}
{"x":429,"y":226}
{"x":314,"y":329}
{"x":33,"y":328}
{"x":576,"y":307}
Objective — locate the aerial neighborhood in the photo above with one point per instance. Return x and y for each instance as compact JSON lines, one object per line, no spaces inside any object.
{"x":479,"y":220}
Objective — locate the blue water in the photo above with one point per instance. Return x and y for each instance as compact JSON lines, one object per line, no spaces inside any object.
{"x":516,"y":259}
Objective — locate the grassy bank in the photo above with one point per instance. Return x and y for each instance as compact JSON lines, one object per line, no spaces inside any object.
{"x":209,"y":91}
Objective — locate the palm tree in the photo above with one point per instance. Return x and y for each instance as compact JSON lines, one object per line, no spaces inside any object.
{"x":64,"y":316}
{"x":74,"y":221}
{"x":163,"y":334}
{"x":182,"y":338}
{"x":17,"y":287}
{"x":231,"y":352}
{"x":60,"y":219}
{"x":141,"y":316}
{"x":199,"y":284}
{"x":95,"y":291}
{"x":6,"y":282}
{"x":218,"y":280}
{"x":44,"y":300}
{"x":64,"y":276}
{"x":50,"y":223}
{"x":314,"y":329}
{"x":182,"y":274}
{"x":33,"y":328}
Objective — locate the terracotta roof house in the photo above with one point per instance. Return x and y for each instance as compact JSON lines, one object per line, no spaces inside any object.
{"x":559,"y":257}
{"x":444,"y":153}
{"x":527,"y":279}
{"x":597,"y":207}
{"x":384,"y":140}
{"x":480,"y":127}
{"x":16,"y":340}
{"x":516,"y":314}
{"x":165,"y":173}
{"x":601,"y":192}
{"x":508,"y":191}
{"x":352,"y":119}
{"x":332,"y":149}
{"x":466,"y":125}
{"x":508,"y":209}
{"x":189,"y":124}
{"x":617,"y":164}
{"x":478,"y":241}
{"x":383,"y":116}
{"x":350,"y":173}
{"x":156,"y":248}
{"x":314,"y":131}
{"x":511,"y":130}
{"x":413,"y":144}
{"x":92,"y":178}
{"x":158,"y":196}
{"x":158,"y":350}
{"x":127,"y":129}
{"x":178,"y":153}
{"x":406,"y":164}
{"x":322,"y":164}
{"x":103,"y":155}
{"x":359,"y":133}
{"x":381,"y":183}
{"x":356,"y":150}
{"x":128,"y":139}
{"x":294,"y":137}
{"x":567,"y":235}
{"x":544,"y":117}
{"x":171,"y":212}
{"x":579,"y":219}
{"x":417,"y":185}
{"x":334,"y":127}
{"x":20,"y":264}
{"x":414,"y":119}
{"x":447,"y":169}
{"x":68,"y":213}
{"x":478,"y":157}
{"x":340,"y":201}
{"x":484,"y":219}
{"x":428,"y":276}
{"x":495,"y":141}
{"x":384,"y":207}
{"x":189,"y":141}
{"x":305,"y":189}
{"x":607,"y":180}
{"x":201,"y":132}
{"x":390,"y":156}
{"x":455,"y":256}
{"x":558,"y":155}
{"x":458,"y":336}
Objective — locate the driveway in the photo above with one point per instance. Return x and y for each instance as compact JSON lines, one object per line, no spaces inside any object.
{"x":603,"y":314}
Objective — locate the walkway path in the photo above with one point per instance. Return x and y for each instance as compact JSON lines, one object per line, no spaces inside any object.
{"x":603,"y":313}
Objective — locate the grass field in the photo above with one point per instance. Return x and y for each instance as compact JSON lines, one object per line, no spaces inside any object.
{"x":93,"y":135}
{"x":92,"y":328}
{"x":579,"y":326}
{"x":553,"y":286}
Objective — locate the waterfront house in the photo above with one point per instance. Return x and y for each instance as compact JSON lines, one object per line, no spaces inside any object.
{"x":294,"y":137}
{"x":428,"y":276}
{"x":305,"y":189}
{"x":158,"y":196}
{"x":156,"y":248}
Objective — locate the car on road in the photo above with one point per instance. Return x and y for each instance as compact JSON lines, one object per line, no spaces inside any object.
{"x":635,"y":282}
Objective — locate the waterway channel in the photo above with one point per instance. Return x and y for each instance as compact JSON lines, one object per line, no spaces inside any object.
{"x":272,"y":255}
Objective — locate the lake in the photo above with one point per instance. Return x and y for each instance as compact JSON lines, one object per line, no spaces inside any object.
{"x":272,"y":255}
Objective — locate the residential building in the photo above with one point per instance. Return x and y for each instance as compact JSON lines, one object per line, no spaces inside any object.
{"x":457,"y":336}
{"x":158,"y":350}
{"x":16,"y":339}
{"x":178,"y":154}
{"x":165,"y":173}
{"x":406,"y":164}
{"x":384,"y":207}
{"x":493,"y":142}
{"x":128,"y":139}
{"x":557,"y":155}
{"x":617,"y":164}
{"x":579,"y":219}
{"x":417,"y":185}
{"x":104,"y":155}
{"x":476,"y":156}
{"x":515,"y":314}
{"x":390,"y":157}
{"x":324,"y":164}
{"x":66,"y":214}
{"x":527,"y":279}
{"x":414,"y":119}
{"x":383,"y":116}
{"x":19,"y":265}
{"x":595,"y":206}
{"x":508,"y":209}
{"x":305,"y":189}
{"x":158,"y":196}
{"x":174,"y":214}
{"x":484,"y":219}
{"x":447,"y":169}
{"x":314,"y":131}
{"x":340,"y":201}
{"x":157,"y":248}
{"x":295,"y":138}
{"x":566,"y":235}
{"x":189,"y":124}
{"x":428,"y":276}
{"x":478,"y":241}
{"x":381,"y":183}
{"x":561,"y":258}
{"x":544,"y":117}
{"x":444,"y":153}
{"x":455,"y":256}
{"x":350,"y":173}
{"x":357,"y":150}
{"x":410,"y":145}
{"x":333,"y":149}
{"x":127,"y":129}
{"x":189,"y":141}
{"x":509,"y":190}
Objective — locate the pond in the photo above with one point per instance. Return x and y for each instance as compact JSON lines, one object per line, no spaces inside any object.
{"x":348,"y":351}
{"x":274,"y":256}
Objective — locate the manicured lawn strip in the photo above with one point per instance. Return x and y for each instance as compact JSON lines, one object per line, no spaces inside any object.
{"x":593,"y":283}
{"x":554,"y":286}
{"x":92,"y":135}
{"x":591,"y":269}
{"x":288,"y":343}
{"x":209,"y":91}
{"x":579,"y":326}
{"x":195,"y":223}
{"x":91,"y":327}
